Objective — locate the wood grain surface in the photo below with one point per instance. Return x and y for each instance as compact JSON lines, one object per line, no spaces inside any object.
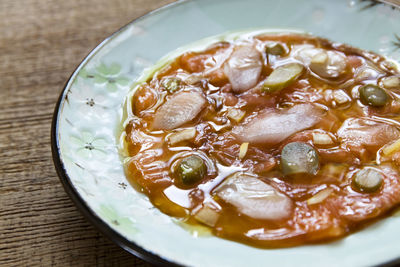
{"x":41,"y":43}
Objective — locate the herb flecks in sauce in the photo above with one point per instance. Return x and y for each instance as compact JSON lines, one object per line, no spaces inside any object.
{"x":274,"y":140}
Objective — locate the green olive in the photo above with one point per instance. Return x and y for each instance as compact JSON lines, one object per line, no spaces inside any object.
{"x":282,"y":77}
{"x":171,"y":84}
{"x":190,"y":170}
{"x":275,"y":49}
{"x":298,"y":157}
{"x":373,"y":95}
{"x":367,"y":180}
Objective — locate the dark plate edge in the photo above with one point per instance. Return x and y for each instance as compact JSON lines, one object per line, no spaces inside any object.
{"x":79,"y":202}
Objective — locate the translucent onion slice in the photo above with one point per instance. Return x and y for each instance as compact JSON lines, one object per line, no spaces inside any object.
{"x":356,"y":132}
{"x":274,"y":127}
{"x":181,"y":108}
{"x":255,"y":198}
{"x":243,"y":68}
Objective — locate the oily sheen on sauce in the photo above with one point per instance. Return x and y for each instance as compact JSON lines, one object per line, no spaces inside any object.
{"x":272,"y":140}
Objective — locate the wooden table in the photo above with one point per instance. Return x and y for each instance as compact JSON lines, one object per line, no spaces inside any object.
{"x":41,"y":43}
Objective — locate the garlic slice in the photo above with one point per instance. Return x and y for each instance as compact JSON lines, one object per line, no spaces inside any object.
{"x":243,"y":150}
{"x":320,"y":196}
{"x":182,"y":135}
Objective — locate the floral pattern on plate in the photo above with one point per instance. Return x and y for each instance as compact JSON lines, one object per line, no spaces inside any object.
{"x":89,"y":116}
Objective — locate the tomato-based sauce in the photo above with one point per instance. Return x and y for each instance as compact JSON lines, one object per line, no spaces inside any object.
{"x":271,"y":140}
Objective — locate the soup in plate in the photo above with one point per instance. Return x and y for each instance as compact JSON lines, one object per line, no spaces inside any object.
{"x":272,"y":140}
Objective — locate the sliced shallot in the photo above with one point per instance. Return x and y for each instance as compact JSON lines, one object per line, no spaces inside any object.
{"x":274,"y":127}
{"x":180,"y":109}
{"x":243,"y":68}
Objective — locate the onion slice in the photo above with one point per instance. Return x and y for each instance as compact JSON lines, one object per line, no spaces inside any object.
{"x":255,"y":198}
{"x":274,"y":127}
{"x":243,"y":68}
{"x":181,"y":108}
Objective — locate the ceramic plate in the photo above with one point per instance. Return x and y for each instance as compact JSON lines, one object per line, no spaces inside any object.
{"x":88,"y":114}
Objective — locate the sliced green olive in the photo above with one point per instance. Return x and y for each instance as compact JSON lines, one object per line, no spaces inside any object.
{"x":367,"y":180}
{"x":298,"y":157}
{"x":171,"y":84}
{"x":373,"y":95}
{"x":282,"y":77}
{"x":275,"y":49}
{"x":191,"y":170}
